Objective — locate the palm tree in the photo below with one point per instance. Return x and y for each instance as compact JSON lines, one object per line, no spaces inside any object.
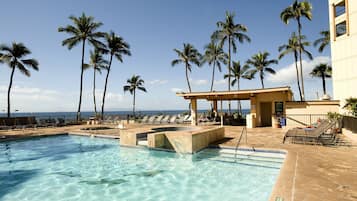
{"x":97,"y":62}
{"x":84,"y":29}
{"x":228,"y":32}
{"x":297,"y":11}
{"x":351,"y":105}
{"x":323,"y":41}
{"x":293,"y":47}
{"x":238,"y":72}
{"x":14,"y":56}
{"x":135,"y":82}
{"x":189,"y":55}
{"x":261,"y":64}
{"x":116,"y":47}
{"x":214,"y":55}
{"x":324,"y":71}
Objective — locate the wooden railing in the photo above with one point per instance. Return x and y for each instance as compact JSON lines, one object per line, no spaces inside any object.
{"x":350,"y":123}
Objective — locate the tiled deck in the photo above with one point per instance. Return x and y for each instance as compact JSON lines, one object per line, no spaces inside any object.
{"x":311,"y":173}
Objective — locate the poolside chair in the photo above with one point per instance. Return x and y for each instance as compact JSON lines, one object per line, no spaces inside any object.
{"x":151,"y":119}
{"x":172,"y":119}
{"x":180,"y":119}
{"x":165,"y":120}
{"x":158,"y":119}
{"x":310,"y":135}
{"x":188,"y":119}
{"x":144,"y":119}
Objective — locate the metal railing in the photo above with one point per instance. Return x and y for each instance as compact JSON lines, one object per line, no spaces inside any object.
{"x":244,"y":132}
{"x":304,"y":119}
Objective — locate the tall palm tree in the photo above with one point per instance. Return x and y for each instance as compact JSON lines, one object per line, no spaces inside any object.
{"x":261,"y":63}
{"x":97,"y":62}
{"x":228,"y":32}
{"x":214,"y":55}
{"x":324,"y":71}
{"x":84,"y":29}
{"x":297,"y":11}
{"x":238,"y":72}
{"x":14,"y":56}
{"x":115,"y":47}
{"x":293,"y":47}
{"x":135,"y":82}
{"x":323,"y":41}
{"x":188,"y":56}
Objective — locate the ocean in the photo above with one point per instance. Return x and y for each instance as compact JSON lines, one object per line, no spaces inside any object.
{"x":87,"y":114}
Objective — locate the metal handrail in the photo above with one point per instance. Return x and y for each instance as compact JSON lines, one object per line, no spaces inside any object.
{"x":244,"y":131}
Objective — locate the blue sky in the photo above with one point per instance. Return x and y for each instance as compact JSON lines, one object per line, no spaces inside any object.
{"x":152,"y":28}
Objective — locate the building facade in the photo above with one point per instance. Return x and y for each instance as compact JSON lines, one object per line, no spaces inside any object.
{"x":343,"y":30}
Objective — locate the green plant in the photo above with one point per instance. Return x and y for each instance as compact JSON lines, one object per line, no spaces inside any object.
{"x":351,"y":105}
{"x":334,"y":116}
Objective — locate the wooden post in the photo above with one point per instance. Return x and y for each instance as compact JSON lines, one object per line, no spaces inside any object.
{"x":194,"y":112}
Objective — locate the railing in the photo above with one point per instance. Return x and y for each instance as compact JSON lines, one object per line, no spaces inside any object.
{"x":244,"y":132}
{"x":350,"y":123}
{"x":303,"y":119}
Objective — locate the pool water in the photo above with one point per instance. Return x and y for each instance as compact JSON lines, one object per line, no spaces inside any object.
{"x":82,"y":168}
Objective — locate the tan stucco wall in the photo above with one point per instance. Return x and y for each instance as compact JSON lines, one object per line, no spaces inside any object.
{"x":309,"y":111}
{"x":267,"y":97}
{"x":344,"y":53}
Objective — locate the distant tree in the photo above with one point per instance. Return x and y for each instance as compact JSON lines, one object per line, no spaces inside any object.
{"x":322,"y":42}
{"x":188,"y":56}
{"x":14,"y":56}
{"x":260,"y":64}
{"x":134,"y":83}
{"x":293,"y":47}
{"x":115,"y":47}
{"x":297,"y":11}
{"x":351,"y":105}
{"x":238,"y":72}
{"x":323,"y":71}
{"x":97,"y":63}
{"x":214,"y":56}
{"x":84,"y":29}
{"x":228,"y":32}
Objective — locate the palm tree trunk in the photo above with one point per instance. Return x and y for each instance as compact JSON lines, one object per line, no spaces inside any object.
{"x":261,"y":79}
{"x":300,"y":56}
{"x":229,"y":72}
{"x":188,"y":81}
{"x":214,"y":66}
{"x":81,"y":83}
{"x":323,"y":83}
{"x":95,"y":104}
{"x":8,"y":92}
{"x":239,"y":104}
{"x":134,"y":104}
{"x":297,"y":75}
{"x":106,"y":83}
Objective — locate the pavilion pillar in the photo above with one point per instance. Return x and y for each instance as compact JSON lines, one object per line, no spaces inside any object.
{"x":215,"y":106}
{"x":253,"y":112}
{"x":194,"y":115}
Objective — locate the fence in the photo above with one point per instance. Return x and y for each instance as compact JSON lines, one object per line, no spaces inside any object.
{"x":295,"y":120}
{"x":350,"y":123}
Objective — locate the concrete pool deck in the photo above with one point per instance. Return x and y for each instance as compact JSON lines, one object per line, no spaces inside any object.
{"x":311,"y":173}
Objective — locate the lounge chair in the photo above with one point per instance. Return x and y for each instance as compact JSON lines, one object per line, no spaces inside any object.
{"x":172,"y":119}
{"x":310,"y":135}
{"x":158,"y":119}
{"x":188,"y":119}
{"x":165,"y":120}
{"x":180,"y":119}
{"x":144,"y":119}
{"x":151,"y":119}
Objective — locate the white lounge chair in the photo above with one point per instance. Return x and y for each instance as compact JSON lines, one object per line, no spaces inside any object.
{"x":151,"y":119}
{"x":165,"y":120}
{"x":173,"y":119}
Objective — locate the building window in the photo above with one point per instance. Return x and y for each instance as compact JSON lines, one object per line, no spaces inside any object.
{"x":341,"y":29}
{"x":279,"y":108}
{"x":340,"y":8}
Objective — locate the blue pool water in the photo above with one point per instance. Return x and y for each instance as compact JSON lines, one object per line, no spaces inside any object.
{"x":65,"y":168}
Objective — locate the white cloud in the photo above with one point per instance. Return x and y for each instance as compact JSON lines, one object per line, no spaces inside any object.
{"x":287,"y":75}
{"x":199,"y":82}
{"x":219,"y":82}
{"x":158,"y":82}
{"x":176,"y":90}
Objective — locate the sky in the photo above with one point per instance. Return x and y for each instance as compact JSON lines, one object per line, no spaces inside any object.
{"x":153,"y":29}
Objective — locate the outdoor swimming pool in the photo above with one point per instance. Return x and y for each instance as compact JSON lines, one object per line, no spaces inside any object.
{"x":82,"y":168}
